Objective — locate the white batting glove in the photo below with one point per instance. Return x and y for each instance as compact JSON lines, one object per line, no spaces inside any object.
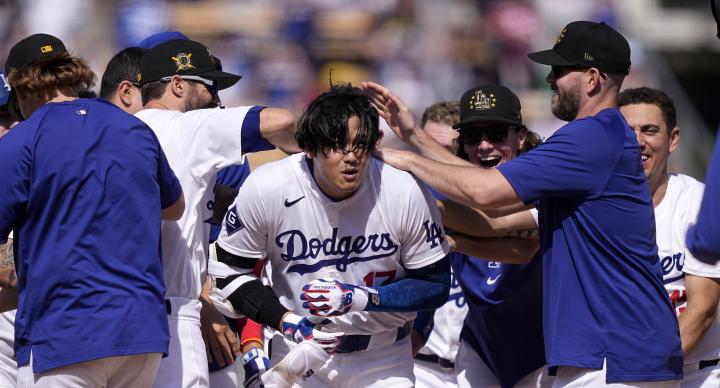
{"x":329,"y":297}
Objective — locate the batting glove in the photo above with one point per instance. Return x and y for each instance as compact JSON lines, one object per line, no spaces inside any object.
{"x":255,"y":363}
{"x":298,"y":329}
{"x":328,"y":297}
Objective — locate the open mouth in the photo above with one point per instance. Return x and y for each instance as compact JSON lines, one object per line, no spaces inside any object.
{"x":490,"y":161}
{"x":644,"y":158}
{"x":350,"y":174}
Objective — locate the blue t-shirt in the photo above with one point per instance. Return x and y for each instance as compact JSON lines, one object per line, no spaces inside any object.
{"x":84,"y":184}
{"x":504,"y":320}
{"x":603,"y":291}
{"x":703,"y":238}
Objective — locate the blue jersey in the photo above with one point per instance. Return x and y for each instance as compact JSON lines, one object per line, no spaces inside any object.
{"x":84,"y":184}
{"x":603,"y":291}
{"x":504,"y":321}
{"x":703,"y":238}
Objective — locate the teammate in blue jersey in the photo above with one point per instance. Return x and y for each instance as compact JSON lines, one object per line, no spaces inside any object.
{"x":501,"y":287}
{"x":85,"y":185}
{"x":606,"y":316}
{"x":703,"y":238}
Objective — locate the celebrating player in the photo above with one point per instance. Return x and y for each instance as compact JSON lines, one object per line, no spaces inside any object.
{"x":347,"y":237}
{"x":694,"y":286}
{"x":596,"y":216}
{"x":81,"y":179}
{"x":179,"y":80}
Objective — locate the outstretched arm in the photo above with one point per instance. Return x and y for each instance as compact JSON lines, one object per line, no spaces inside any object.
{"x":475,"y":222}
{"x":277,"y":126}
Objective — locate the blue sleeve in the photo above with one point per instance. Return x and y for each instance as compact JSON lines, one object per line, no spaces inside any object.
{"x":703,"y":238}
{"x":15,"y":167}
{"x":251,"y":137}
{"x":423,"y":288}
{"x":170,"y":188}
{"x":577,"y":160}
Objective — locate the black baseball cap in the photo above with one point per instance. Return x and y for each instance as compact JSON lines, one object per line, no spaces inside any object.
{"x":184,"y":58}
{"x":31,"y":49}
{"x":588,"y":44}
{"x":489,"y":103}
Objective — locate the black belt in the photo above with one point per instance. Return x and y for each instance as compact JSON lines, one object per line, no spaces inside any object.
{"x":435,"y":359}
{"x":707,"y":363}
{"x":357,"y":342}
{"x":168,"y":306}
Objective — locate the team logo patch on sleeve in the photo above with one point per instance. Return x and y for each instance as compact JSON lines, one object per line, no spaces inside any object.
{"x":232,"y":221}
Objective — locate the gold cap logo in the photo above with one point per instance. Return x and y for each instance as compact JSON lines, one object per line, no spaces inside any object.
{"x":46,"y":49}
{"x":183,"y":61}
{"x":481,"y":101}
{"x":561,"y":36}
{"x":588,"y":57}
{"x":138,"y":77}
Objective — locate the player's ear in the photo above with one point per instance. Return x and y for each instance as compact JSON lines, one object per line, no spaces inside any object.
{"x":125,"y":92}
{"x":674,"y":139}
{"x":178,"y":86}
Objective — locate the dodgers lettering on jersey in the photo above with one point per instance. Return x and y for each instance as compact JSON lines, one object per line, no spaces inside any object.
{"x":673,"y":216}
{"x":370,"y":239}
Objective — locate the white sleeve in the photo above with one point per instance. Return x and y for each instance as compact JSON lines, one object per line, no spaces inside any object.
{"x":423,"y":241}
{"x":244,"y":229}
{"x":218,"y":135}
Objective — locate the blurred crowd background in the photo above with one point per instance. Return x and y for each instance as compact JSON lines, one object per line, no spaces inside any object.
{"x":425,"y":50}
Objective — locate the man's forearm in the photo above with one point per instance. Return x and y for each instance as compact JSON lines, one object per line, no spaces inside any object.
{"x":511,"y":250}
{"x":703,"y":295}
{"x":8,"y":278}
{"x":469,"y":185}
{"x":475,"y":222}
{"x":431,"y":149}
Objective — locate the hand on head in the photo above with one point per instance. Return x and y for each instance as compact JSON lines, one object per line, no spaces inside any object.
{"x":391,"y":108}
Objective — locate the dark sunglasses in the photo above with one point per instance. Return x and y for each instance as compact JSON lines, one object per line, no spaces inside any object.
{"x":475,"y":135}
{"x":559,"y":71}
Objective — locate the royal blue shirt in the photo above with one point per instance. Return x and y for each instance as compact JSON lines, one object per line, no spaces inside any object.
{"x":603,"y":291}
{"x":83,"y":183}
{"x":504,"y":320}
{"x":703,"y":238}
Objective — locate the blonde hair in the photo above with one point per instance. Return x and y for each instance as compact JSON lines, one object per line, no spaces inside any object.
{"x":43,"y":78}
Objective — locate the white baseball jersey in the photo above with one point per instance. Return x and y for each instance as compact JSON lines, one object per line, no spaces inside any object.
{"x":444,"y":340}
{"x":197,"y":145}
{"x":677,"y":211}
{"x":389,"y":225}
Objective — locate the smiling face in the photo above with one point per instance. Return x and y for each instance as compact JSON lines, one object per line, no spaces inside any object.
{"x":490,"y":144}
{"x":340,"y":172}
{"x":656,"y":140}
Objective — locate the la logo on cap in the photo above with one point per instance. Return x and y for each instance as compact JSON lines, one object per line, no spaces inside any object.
{"x":480,"y":101}
{"x":46,"y":49}
{"x":183,"y":61}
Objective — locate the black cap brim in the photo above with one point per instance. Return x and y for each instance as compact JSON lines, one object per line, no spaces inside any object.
{"x":486,"y":119}
{"x":224,"y":80}
{"x":551,"y":58}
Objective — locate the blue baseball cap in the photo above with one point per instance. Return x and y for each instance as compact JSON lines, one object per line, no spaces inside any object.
{"x":4,"y":90}
{"x":161,"y":37}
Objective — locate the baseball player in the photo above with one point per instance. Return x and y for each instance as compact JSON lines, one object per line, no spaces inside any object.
{"x":81,"y":178}
{"x":702,"y":238}
{"x":8,"y":365}
{"x":596,"y":221}
{"x":347,"y":238}
{"x":118,"y":84}
{"x":693,"y":286}
{"x":439,"y":330}
{"x":179,"y":81}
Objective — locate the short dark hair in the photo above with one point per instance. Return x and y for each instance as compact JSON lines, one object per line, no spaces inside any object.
{"x":123,"y":66}
{"x":152,"y":91}
{"x":446,"y":112}
{"x":655,"y":97}
{"x":323,"y":127}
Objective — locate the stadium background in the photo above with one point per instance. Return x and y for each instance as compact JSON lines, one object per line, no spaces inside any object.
{"x":425,"y":50}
